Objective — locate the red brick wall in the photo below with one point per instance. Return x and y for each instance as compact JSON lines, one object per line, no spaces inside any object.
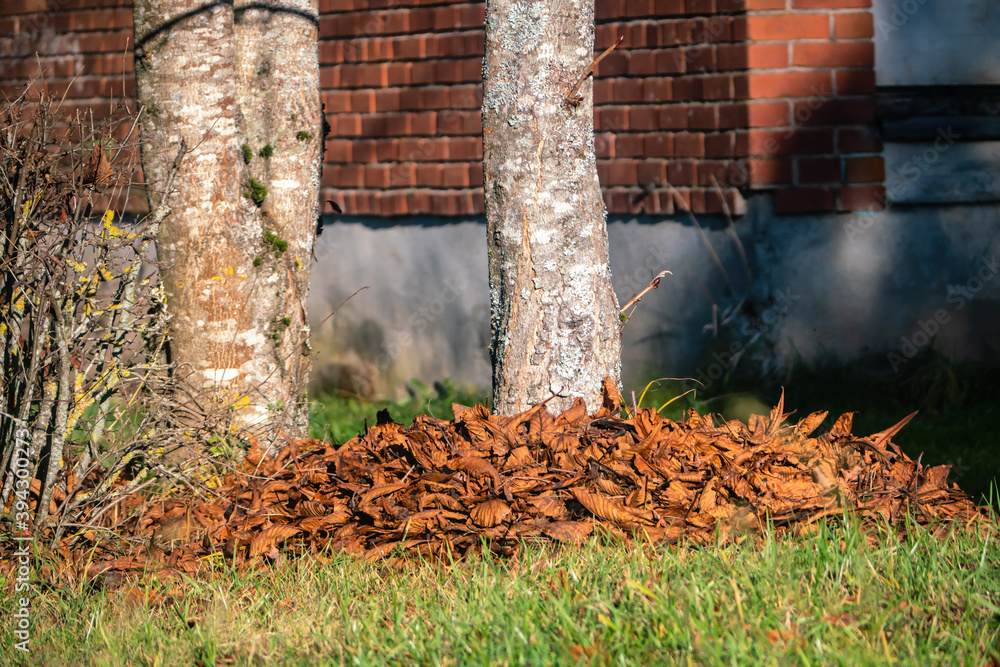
{"x":708,"y":100}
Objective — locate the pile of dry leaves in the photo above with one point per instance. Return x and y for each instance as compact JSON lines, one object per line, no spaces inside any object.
{"x":439,"y":488}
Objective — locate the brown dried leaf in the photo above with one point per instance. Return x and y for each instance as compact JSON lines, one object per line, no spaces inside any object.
{"x":573,"y":532}
{"x":263,"y":541}
{"x":490,"y":513}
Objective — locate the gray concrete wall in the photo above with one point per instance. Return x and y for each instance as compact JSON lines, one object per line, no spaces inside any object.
{"x":937,"y":42}
{"x":874,"y":285}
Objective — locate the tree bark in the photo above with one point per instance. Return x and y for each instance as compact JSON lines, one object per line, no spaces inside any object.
{"x":236,"y":89}
{"x":555,"y":318}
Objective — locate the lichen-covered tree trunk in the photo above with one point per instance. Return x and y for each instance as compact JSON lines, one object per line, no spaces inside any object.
{"x":236,"y":88}
{"x":555,"y":320}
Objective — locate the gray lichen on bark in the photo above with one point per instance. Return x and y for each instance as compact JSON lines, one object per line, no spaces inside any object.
{"x":554,"y":315}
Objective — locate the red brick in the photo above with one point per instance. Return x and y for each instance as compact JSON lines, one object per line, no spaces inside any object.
{"x":711,"y":29}
{"x":865,"y":169}
{"x":732,"y":56}
{"x":699,"y":6}
{"x":696,"y":197}
{"x":606,"y":10}
{"x":829,"y":4}
{"x":754,"y":5}
{"x":411,"y":47}
{"x":803,"y":200}
{"x":717,"y":87}
{"x":338,"y":150}
{"x":614,"y":119}
{"x":345,"y":125}
{"x":854,"y":25}
{"x":642,"y":63}
{"x":639,"y":8}
{"x":858,"y":140}
{"x":377,"y":176}
{"x":671,"y":61}
{"x":689,"y":144}
{"x":658,"y":90}
{"x":656,"y":145}
{"x":788,"y":26}
{"x":402,"y":175}
{"x":834,"y":54}
{"x":459,"y":122}
{"x":422,"y":124}
{"x":387,"y":150}
{"x":712,"y":172}
{"x":790,"y":84}
{"x":675,"y":32}
{"x":392,"y":203}
{"x":720,"y":144}
{"x":640,"y":35}
{"x":603,"y":91}
{"x":400,"y":74}
{"x":387,"y":100}
{"x":616,"y":64}
{"x":716,"y":199}
{"x":629,"y":145}
{"x":651,"y":172}
{"x":682,"y":172}
{"x":733,"y":116}
{"x":701,"y":58}
{"x":855,"y":82}
{"x":644,"y":118}
{"x":766,"y":172}
{"x":465,"y":149}
{"x":476,"y":174}
{"x":629,"y":90}
{"x":622,"y":172}
{"x":868,"y":198}
{"x":604,"y":144}
{"x":350,"y":176}
{"x":669,"y":7}
{"x":703,"y":116}
{"x":819,"y":170}
{"x":422,"y":150}
{"x":455,"y":175}
{"x":768,"y":114}
{"x":790,"y":142}
{"x":673,"y":117}
{"x":468,"y":96}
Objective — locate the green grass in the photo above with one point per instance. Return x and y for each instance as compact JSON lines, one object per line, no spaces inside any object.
{"x":339,"y":419}
{"x":827,"y":598}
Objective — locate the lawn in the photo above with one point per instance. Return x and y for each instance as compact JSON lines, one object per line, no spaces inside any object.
{"x":831,"y":596}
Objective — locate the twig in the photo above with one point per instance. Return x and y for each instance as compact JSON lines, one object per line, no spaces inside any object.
{"x":340,"y":306}
{"x":704,"y":237}
{"x":571,"y":97}
{"x":634,"y":301}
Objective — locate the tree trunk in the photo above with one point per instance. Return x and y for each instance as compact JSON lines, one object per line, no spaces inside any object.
{"x":238,"y":91}
{"x":555,"y":319}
